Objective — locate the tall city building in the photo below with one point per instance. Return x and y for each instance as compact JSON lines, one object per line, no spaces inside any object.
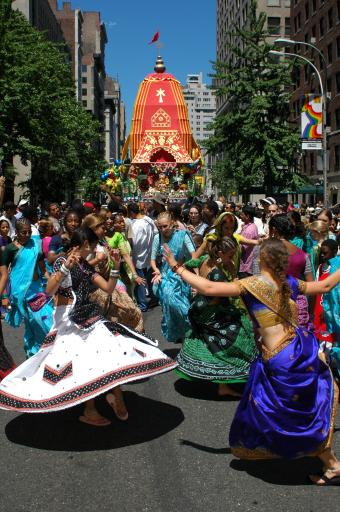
{"x":115,"y":124}
{"x":40,"y":14}
{"x":201,"y":103}
{"x":71,"y":23}
{"x":232,"y":13}
{"x":318,"y":22}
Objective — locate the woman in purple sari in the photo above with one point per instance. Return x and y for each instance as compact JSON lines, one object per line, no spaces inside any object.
{"x":290,"y":401}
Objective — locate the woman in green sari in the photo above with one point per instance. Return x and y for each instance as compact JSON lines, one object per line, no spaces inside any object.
{"x":220,"y":346}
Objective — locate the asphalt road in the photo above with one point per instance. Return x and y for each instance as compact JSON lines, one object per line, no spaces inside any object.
{"x":171,"y":455}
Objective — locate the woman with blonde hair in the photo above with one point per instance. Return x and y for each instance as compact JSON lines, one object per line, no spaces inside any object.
{"x":172,"y":292}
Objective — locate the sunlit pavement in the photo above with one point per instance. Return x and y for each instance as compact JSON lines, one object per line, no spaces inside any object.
{"x":171,"y":455}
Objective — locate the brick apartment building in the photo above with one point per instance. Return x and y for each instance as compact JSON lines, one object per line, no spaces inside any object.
{"x":318,"y":22}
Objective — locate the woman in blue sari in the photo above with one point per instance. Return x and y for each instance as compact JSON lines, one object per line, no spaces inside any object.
{"x":172,"y":292}
{"x":27,"y":278}
{"x":289,"y":404}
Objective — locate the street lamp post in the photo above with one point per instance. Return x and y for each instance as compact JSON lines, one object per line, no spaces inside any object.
{"x":285,"y":42}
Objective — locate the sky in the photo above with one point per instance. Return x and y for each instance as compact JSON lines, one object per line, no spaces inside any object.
{"x":187,"y":32}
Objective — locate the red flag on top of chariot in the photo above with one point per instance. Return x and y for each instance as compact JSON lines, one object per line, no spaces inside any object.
{"x":155,"y":38}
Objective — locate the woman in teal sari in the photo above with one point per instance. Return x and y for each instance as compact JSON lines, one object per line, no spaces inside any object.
{"x":27,"y":278}
{"x":173,"y":293}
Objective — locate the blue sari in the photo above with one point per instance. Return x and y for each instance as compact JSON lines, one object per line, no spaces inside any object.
{"x":173,"y":293}
{"x":28,"y":299}
{"x":290,"y":401}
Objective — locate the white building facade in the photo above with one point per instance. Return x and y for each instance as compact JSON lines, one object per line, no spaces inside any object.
{"x":201,"y":103}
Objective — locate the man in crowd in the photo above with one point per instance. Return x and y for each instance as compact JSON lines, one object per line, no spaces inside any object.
{"x":143,"y":232}
{"x":210,"y":212}
{"x":53,"y":212}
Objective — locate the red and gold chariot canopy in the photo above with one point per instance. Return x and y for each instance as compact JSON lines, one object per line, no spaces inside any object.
{"x":160,"y":128}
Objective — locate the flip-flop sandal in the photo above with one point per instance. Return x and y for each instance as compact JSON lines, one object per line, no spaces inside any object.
{"x":99,"y":422}
{"x":112,"y":401}
{"x":328,"y":481}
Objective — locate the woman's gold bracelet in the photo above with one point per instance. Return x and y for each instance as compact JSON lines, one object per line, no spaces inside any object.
{"x":180,"y":273}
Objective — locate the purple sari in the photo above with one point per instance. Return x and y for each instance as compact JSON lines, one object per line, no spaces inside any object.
{"x":290,"y":401}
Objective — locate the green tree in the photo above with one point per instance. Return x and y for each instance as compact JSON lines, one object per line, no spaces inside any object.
{"x":40,"y":119}
{"x":254,"y":142}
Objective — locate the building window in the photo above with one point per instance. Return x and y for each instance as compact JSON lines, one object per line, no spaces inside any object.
{"x":337,"y":119}
{"x":314,"y":31}
{"x":337,"y":157}
{"x":338,"y":10}
{"x":330,"y":18}
{"x":311,"y":163}
{"x":84,"y":68}
{"x":84,"y":103}
{"x":287,"y":27}
{"x":330,"y":53}
{"x":84,"y":79}
{"x":329,"y":84}
{"x":297,"y":22}
{"x":306,"y":10}
{"x":314,"y":6}
{"x":273,"y":3}
{"x":84,"y":92}
{"x":273,"y":25}
{"x":337,"y":81}
{"x":322,"y":26}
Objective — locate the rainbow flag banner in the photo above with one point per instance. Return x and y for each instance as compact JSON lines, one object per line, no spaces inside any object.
{"x":311,"y":117}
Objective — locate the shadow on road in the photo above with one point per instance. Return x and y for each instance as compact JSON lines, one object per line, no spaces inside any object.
{"x":203,"y":448}
{"x":148,"y":419}
{"x":204,"y":390}
{"x":279,"y":472}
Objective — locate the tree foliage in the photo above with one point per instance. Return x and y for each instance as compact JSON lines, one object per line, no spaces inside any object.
{"x":40,"y":119}
{"x":253,"y":141}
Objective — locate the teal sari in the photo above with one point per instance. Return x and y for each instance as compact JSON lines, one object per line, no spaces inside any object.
{"x":29,"y":303}
{"x":172,"y":292}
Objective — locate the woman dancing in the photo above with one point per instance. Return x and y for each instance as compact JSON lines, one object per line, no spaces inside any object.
{"x":83,"y":356}
{"x":172,"y":292}
{"x":27,"y":278}
{"x":289,"y":404}
{"x":118,"y":306}
{"x":220,"y":346}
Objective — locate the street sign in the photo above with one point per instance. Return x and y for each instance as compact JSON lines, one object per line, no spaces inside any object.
{"x":312,"y":144}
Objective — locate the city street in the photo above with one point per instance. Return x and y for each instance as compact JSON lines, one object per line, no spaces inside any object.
{"x":171,"y":455}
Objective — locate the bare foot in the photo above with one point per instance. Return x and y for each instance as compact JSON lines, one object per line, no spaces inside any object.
{"x":330,"y":477}
{"x":116,"y":401}
{"x":225,"y":390}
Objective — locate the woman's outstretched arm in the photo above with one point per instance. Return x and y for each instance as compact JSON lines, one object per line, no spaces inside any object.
{"x":202,"y":285}
{"x":324,"y":286}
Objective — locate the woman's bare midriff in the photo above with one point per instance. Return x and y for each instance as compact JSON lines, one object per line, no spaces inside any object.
{"x":272,"y":336}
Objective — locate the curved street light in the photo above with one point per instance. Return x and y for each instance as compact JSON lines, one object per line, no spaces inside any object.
{"x":323,"y":105}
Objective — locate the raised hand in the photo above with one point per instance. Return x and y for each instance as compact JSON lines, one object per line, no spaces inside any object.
{"x":115,"y":258}
{"x":72,"y":257}
{"x":168,"y":256}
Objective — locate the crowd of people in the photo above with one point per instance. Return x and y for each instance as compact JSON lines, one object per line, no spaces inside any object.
{"x":250,"y":292}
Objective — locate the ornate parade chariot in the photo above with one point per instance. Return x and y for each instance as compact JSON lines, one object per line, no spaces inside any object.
{"x":160,"y":154}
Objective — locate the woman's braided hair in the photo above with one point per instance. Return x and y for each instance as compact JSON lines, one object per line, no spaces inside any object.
{"x":274,"y":254}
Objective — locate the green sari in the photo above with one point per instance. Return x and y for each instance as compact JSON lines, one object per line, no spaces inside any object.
{"x":220,"y":346}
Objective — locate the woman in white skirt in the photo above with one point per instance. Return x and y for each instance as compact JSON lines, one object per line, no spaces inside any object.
{"x":83,"y":355}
